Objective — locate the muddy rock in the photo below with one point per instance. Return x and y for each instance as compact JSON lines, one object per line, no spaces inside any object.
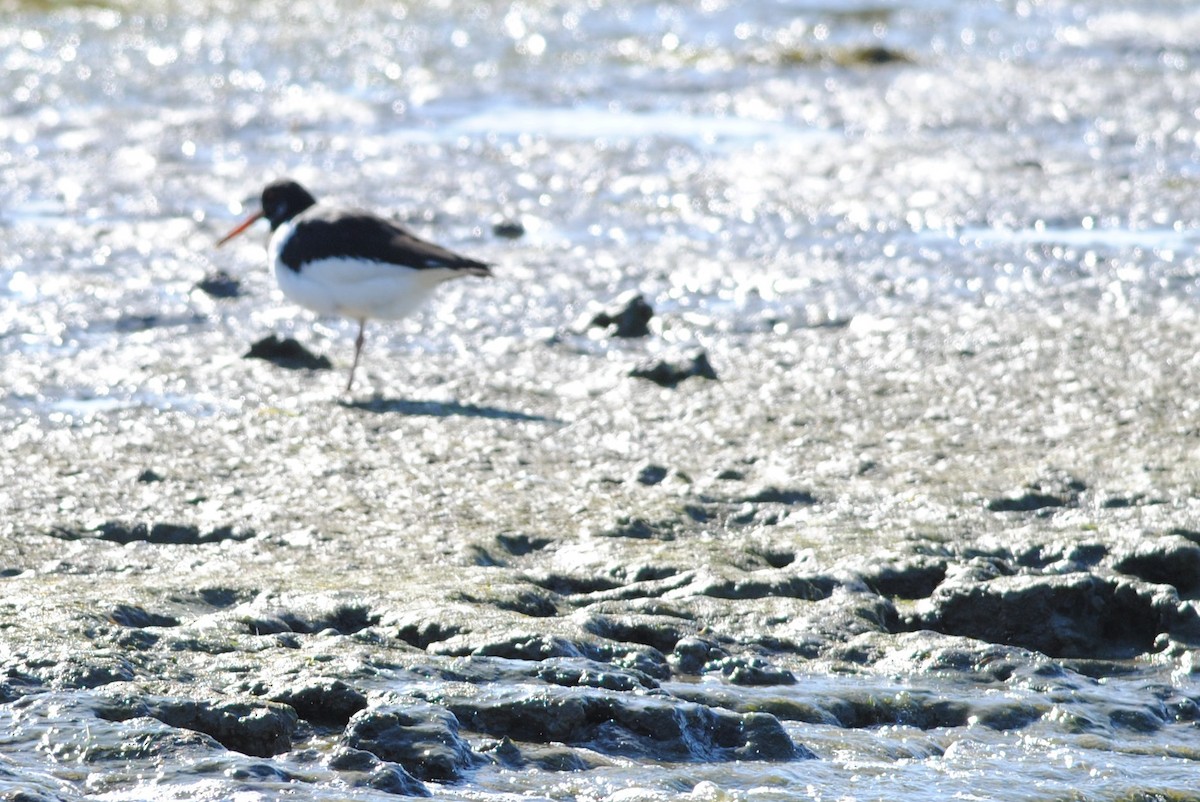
{"x":653,"y":726}
{"x":364,"y":770}
{"x":329,"y":702}
{"x":750,"y":671}
{"x":914,"y":578}
{"x":1172,"y":560}
{"x":659,"y":632}
{"x":914,"y":710}
{"x":1058,"y":555}
{"x":692,"y":654}
{"x":583,"y":673}
{"x":108,"y":744}
{"x":512,"y":646}
{"x":547,"y":757}
{"x":423,"y":739}
{"x":96,"y":669}
{"x":1072,"y":615}
{"x":254,"y":728}
{"x":766,"y":583}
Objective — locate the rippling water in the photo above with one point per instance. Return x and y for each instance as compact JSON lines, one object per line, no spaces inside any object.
{"x":752,"y":166}
{"x":781,"y":160}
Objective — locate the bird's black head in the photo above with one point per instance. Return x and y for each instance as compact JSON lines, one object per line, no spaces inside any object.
{"x":283,"y":199}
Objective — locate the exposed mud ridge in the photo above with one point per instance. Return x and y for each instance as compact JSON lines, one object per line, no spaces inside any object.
{"x":1070,"y":615}
{"x":163,"y":533}
{"x":596,"y":691}
{"x":590,"y":667}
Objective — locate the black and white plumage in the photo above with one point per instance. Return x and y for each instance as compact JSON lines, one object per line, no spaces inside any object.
{"x":348,"y":262}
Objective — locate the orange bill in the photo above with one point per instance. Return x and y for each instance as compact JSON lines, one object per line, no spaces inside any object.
{"x":242,"y":226}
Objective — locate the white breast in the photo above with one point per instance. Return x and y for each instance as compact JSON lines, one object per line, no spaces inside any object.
{"x":354,"y":288}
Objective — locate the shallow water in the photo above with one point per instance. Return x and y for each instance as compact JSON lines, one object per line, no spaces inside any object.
{"x":754,"y":168}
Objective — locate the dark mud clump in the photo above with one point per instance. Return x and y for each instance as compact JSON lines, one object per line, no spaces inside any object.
{"x":507,"y":228}
{"x":220,"y":285}
{"x":667,"y":372}
{"x":287,"y":353}
{"x":628,"y":317}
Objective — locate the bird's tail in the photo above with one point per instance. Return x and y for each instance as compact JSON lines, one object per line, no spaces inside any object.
{"x":470,"y":267}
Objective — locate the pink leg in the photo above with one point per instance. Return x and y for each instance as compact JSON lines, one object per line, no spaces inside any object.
{"x":358,"y":344}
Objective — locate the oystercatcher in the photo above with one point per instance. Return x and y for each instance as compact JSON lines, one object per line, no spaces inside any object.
{"x":348,"y":262}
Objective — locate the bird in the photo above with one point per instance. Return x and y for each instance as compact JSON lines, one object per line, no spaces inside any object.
{"x":348,"y":262}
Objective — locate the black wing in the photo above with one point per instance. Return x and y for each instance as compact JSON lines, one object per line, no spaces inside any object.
{"x":329,"y":233}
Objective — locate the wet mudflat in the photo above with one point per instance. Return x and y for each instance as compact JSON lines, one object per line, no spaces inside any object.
{"x":885,"y":487}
